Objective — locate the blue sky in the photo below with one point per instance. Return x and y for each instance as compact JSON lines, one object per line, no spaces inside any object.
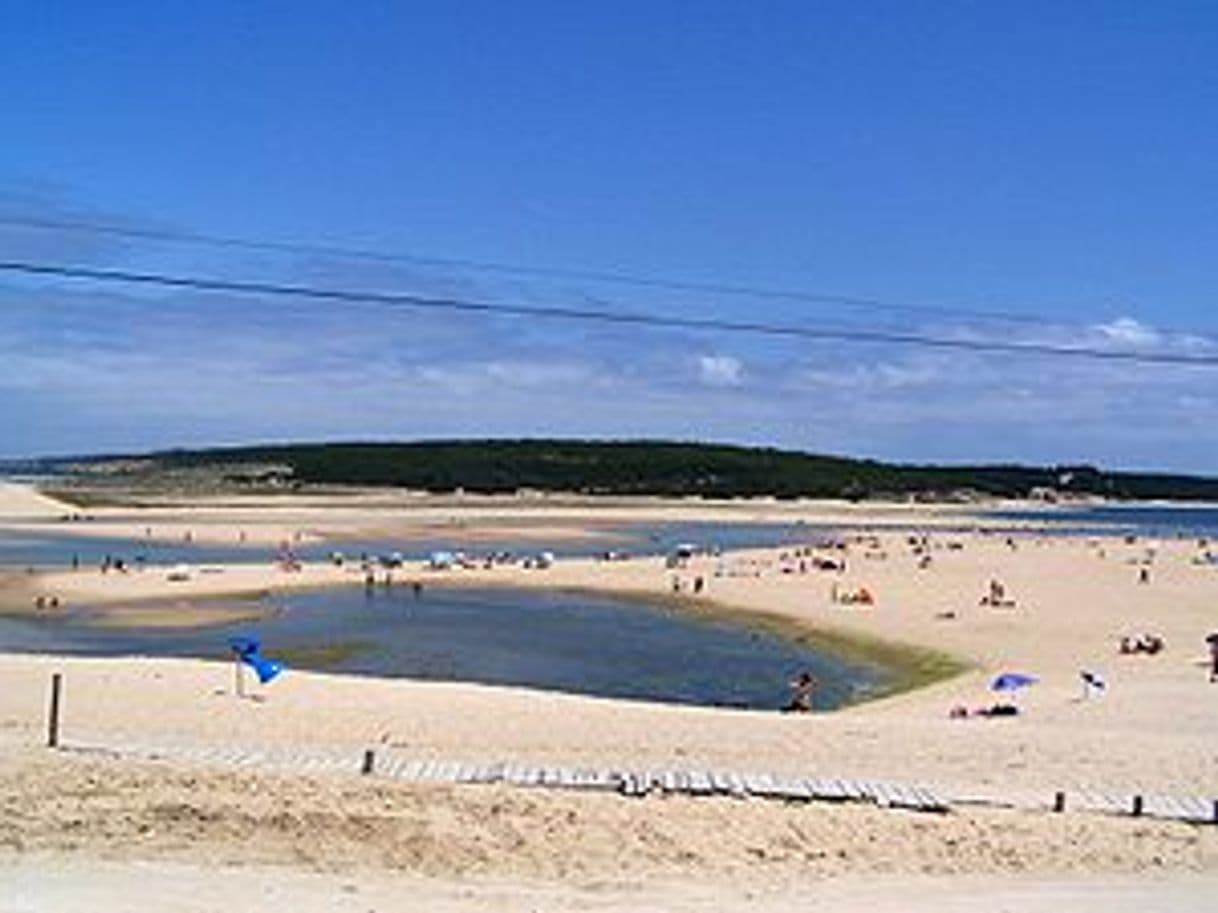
{"x":1055,"y":161}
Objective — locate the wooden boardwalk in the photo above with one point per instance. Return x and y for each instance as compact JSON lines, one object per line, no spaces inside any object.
{"x":393,"y":763}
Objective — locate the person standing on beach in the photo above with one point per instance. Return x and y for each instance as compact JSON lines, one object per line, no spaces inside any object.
{"x":803,"y":688}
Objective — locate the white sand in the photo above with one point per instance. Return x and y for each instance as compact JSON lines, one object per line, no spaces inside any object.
{"x":1152,"y":732}
{"x":23,"y":502}
{"x":267,"y":520}
{"x":72,"y":885}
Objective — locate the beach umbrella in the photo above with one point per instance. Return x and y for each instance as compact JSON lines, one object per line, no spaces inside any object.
{"x":248,"y":651}
{"x":1012,"y":681}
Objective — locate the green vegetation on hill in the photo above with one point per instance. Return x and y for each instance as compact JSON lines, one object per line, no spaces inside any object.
{"x":650,"y":468}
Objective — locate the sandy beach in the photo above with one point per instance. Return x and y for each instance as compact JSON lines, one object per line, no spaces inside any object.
{"x":361,"y":514}
{"x":72,"y":885}
{"x":1151,"y":732}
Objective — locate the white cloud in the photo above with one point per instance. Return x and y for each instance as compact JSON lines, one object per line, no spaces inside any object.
{"x":878,"y":377}
{"x":469,"y":378}
{"x":1127,"y":331}
{"x":720,"y":370}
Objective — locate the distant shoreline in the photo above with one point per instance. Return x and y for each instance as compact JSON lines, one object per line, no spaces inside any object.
{"x":389,"y":497}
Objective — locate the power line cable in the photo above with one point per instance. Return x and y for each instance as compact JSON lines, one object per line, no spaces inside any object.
{"x":604,"y":276}
{"x":418,"y":302}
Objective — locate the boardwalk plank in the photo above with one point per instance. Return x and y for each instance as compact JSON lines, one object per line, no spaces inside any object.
{"x":514,"y":774}
{"x":878,"y":793}
{"x":930,"y":801}
{"x":823,"y":788}
{"x":793,"y":790}
{"x":752,"y":785}
{"x":407,"y":770}
{"x":639,"y":782}
{"x":847,"y":789}
{"x":387,"y":766}
{"x":487,"y":773}
{"x":601,"y":779}
{"x":763,"y":785}
{"x":1194,"y":808}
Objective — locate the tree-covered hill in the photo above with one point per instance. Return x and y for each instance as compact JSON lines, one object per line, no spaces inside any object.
{"x":646,"y":468}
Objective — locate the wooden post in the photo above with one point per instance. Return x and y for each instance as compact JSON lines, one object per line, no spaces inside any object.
{"x":1059,"y":802}
{"x":238,"y":677}
{"x":369,"y":761}
{"x":1137,"y":806}
{"x":53,"y":722}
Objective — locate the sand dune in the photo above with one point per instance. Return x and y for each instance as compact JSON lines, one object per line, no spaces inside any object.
{"x":24,"y":502}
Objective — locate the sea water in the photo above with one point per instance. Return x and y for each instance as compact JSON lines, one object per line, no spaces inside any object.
{"x":1157,"y":520}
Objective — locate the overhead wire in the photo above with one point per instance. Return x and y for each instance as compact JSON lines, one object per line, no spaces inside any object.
{"x":625,"y":279}
{"x":397,"y":300}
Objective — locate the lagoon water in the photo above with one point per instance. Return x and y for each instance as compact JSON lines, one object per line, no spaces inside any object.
{"x":52,"y":547}
{"x":576,"y":643}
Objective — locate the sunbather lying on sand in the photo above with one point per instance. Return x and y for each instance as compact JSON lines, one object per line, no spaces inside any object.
{"x":960,"y":712}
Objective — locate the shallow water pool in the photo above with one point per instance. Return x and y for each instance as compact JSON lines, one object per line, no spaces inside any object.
{"x":578,"y":643}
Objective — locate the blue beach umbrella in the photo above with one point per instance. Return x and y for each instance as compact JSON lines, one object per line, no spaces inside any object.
{"x":248,"y":650}
{"x":1012,"y":681}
